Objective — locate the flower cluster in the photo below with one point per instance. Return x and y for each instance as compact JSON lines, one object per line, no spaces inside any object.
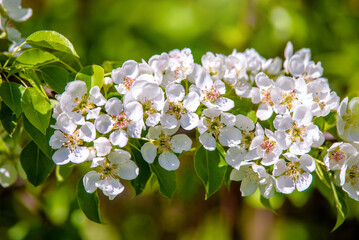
{"x":160,"y":99}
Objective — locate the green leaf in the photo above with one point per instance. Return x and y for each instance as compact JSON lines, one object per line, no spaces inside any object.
{"x":8,"y":118}
{"x":140,"y":182}
{"x":55,"y":77}
{"x":166,"y":179}
{"x":340,"y":204}
{"x":34,"y":58}
{"x":89,"y":203}
{"x":92,"y":75}
{"x":41,"y":140}
{"x":11,"y":95}
{"x":33,"y":78}
{"x":51,"y":40}
{"x":211,"y":169}
{"x":36,"y":164}
{"x":37,"y":109}
{"x":63,"y":171}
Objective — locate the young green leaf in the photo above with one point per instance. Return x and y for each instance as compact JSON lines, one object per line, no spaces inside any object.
{"x":34,"y":58}
{"x":41,"y":140}
{"x":140,"y":182}
{"x":166,"y":179}
{"x":92,"y":75}
{"x":37,"y":109}
{"x":340,"y":204}
{"x":266,"y":203}
{"x":89,"y":203}
{"x":36,"y":164}
{"x":55,"y":77}
{"x":51,"y":40}
{"x":11,"y":95}
{"x":211,"y":169}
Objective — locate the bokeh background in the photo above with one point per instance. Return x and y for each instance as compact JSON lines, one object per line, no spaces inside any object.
{"x":113,"y":30}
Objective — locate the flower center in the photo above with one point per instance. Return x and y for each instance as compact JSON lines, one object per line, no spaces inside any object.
{"x":337,"y":155}
{"x":121,"y":121}
{"x":247,"y":138}
{"x":127,"y":82}
{"x":83,"y":105}
{"x":296,"y":132}
{"x":214,"y":126}
{"x":268,"y":145}
{"x":107,"y":170}
{"x":72,"y":141}
{"x":176,"y":109}
{"x":293,"y":170}
{"x":147,"y":108}
{"x":320,"y":103}
{"x":163,"y":143}
{"x":211,"y":95}
{"x":266,"y":97}
{"x":287,"y":99}
{"x":352,"y":174}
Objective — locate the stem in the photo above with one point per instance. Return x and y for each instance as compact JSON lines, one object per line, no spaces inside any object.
{"x":320,"y":162}
{"x":68,"y":66}
{"x":12,"y":55}
{"x":107,"y":74}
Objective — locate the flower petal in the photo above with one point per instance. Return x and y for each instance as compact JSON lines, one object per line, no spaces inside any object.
{"x":168,"y":161}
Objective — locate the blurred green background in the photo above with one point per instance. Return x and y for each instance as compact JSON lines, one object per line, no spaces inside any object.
{"x":122,"y":30}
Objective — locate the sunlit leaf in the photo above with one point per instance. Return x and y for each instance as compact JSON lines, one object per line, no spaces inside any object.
{"x":92,"y":75}
{"x":34,"y":58}
{"x":51,"y":40}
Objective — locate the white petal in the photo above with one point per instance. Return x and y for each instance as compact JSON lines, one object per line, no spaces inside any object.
{"x":134,"y":129}
{"x":61,"y":156}
{"x":285,"y":184}
{"x":180,"y":142}
{"x":134,"y":111}
{"x":263,"y":81}
{"x":15,"y":11}
{"x":127,"y":170}
{"x":76,"y":89}
{"x":65,"y":123}
{"x":79,"y":155}
{"x":303,"y":182}
{"x":244,"y":123}
{"x":296,"y":65}
{"x":208,"y":141}
{"x":104,"y":123}
{"x":175,"y":92}
{"x":279,"y":167}
{"x":234,"y":156}
{"x":149,"y":152}
{"x":119,"y":138}
{"x":307,"y":163}
{"x":248,"y":187}
{"x":153,"y":119}
{"x":96,"y":96}
{"x":114,"y":106}
{"x":264,"y":111}
{"x":87,"y":132}
{"x":57,"y":140}
{"x":189,"y":121}
{"x":168,"y":161}
{"x":103,"y":146}
{"x":285,"y":83}
{"x":90,"y":180}
{"x":168,"y":121}
{"x":230,"y":136}
{"x":191,"y":101}
{"x":224,"y":104}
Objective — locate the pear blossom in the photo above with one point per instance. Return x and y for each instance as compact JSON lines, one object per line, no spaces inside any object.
{"x":294,"y":173}
{"x":349,"y":177}
{"x":144,"y":101}
{"x":125,"y":76}
{"x":108,"y":170}
{"x":266,"y":145}
{"x":180,"y":65}
{"x":180,"y":109}
{"x":14,"y":10}
{"x":70,"y":141}
{"x":252,"y":177}
{"x":214,"y":65}
{"x":348,"y":119}
{"x":297,"y":132}
{"x":338,"y":154}
{"x":77,"y":103}
{"x":216,"y":125}
{"x":163,"y":143}
{"x":262,"y":94}
{"x":210,"y":92}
